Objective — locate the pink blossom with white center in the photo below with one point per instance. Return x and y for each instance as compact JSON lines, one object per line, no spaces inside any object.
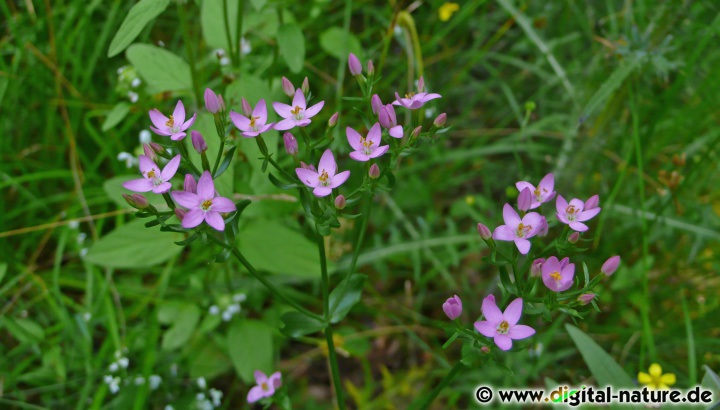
{"x":502,"y":326}
{"x":573,"y":214}
{"x":558,"y":275}
{"x":153,"y":179}
{"x":173,"y":126}
{"x":296,"y":115}
{"x":366,"y":148}
{"x":204,"y":205}
{"x":518,"y":230}
{"x":387,"y":118}
{"x":266,"y":386}
{"x":414,"y":101}
{"x":256,"y":124}
{"x":326,"y":178}
{"x":543,"y":193}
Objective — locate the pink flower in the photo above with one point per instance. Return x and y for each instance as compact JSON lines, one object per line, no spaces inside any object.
{"x":502,"y":326}
{"x":153,"y":179}
{"x":173,"y":126}
{"x":190,"y":184}
{"x":366,"y":148}
{"x":376,"y":104}
{"x":354,"y":64}
{"x":265,"y":386}
{"x":536,"y":267}
{"x":296,"y":115}
{"x":586,"y":298}
{"x":452,"y":307}
{"x":543,"y":193}
{"x":414,"y":101}
{"x":484,"y":231}
{"x":543,"y":227}
{"x":525,"y":199}
{"x":610,"y":265}
{"x":256,"y":124}
{"x":203,"y":205}
{"x":558,"y":275}
{"x":387,"y":118}
{"x":573,"y":214}
{"x":516,"y":229}
{"x":326,"y":178}
{"x":212,"y":101}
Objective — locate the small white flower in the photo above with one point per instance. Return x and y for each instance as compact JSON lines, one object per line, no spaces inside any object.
{"x":135,"y":82}
{"x":133,"y":96}
{"x":173,"y":370}
{"x":161,"y":43}
{"x":107,"y":379}
{"x":139,"y":380}
{"x":113,"y":367}
{"x":81,"y":238}
{"x":114,"y":385}
{"x":74,"y":224}
{"x":227,"y":315}
{"x":201,"y":383}
{"x":83,"y":252}
{"x":200,"y":396}
{"x":214,"y":310}
{"x":234,"y":308}
{"x":130,"y":160}
{"x":87,"y":316}
{"x":121,"y":69}
{"x":430,"y":112}
{"x":154,"y":381}
{"x":216,"y":396}
{"x":245,"y":47}
{"x":224,"y":61}
{"x":118,"y":354}
{"x":169,"y":407}
{"x":239,"y":297}
{"x":123,"y":362}
{"x":145,"y":137}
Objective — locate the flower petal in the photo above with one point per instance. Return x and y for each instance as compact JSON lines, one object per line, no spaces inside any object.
{"x":655,"y":370}
{"x":139,"y":185}
{"x":299,"y":99}
{"x":162,"y":188}
{"x":193,"y":218}
{"x":260,"y":111}
{"x":146,"y":165}
{"x":503,"y":342}
{"x":275,"y":380}
{"x":578,"y":226}
{"x":206,"y":186}
{"x":260,"y":377}
{"x":504,"y":233}
{"x":214,"y":219}
{"x":159,"y":131}
{"x":222,"y":204}
{"x":511,"y":217}
{"x":375,"y":134}
{"x":170,"y":169}
{"x":561,"y":205}
{"x":282,"y":110}
{"x":548,"y":182}
{"x":327,"y":163}
{"x":255,"y":394}
{"x":158,"y":119}
{"x":521,"y":332}
{"x":520,"y":185}
{"x":396,"y":131}
{"x":644,"y":378}
{"x":379,"y":151}
{"x":187,"y":124}
{"x":285,"y":124}
{"x":354,"y":138}
{"x":322,"y":191}
{"x":186,"y":199}
{"x":668,"y":379}
{"x":241,"y":122}
{"x":178,"y":136}
{"x":486,"y":328}
{"x":513,"y":312}
{"x":312,"y":111}
{"x":339,"y":179}
{"x":308,"y":177}
{"x":523,"y":245}
{"x":490,"y":310}
{"x":359,"y":156}
{"x":587,"y":215}
{"x":179,"y":113}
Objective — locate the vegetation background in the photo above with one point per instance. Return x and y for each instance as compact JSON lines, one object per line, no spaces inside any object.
{"x":624,"y":104}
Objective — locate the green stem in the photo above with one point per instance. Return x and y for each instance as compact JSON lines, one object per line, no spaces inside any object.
{"x":238,"y":39}
{"x":427,"y":401}
{"x":188,"y":48}
{"x":226,"y":21}
{"x":219,"y":155}
{"x":334,"y":368}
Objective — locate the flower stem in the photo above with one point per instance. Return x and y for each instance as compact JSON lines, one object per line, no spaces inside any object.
{"x":226,"y":21}
{"x":238,"y":34}
{"x":332,"y":356}
{"x":188,"y":48}
{"x":219,"y":155}
{"x":443,"y":384}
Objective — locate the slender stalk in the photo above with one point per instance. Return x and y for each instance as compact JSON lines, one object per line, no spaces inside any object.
{"x":219,"y":155}
{"x":332,"y":356}
{"x":188,"y":48}
{"x":427,"y":401}
{"x":226,"y":21}
{"x":238,"y":38}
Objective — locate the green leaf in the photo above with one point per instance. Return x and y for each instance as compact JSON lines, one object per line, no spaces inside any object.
{"x":3,"y":271}
{"x":133,"y":246}
{"x":225,"y":162}
{"x":136,"y":19}
{"x":602,"y":366}
{"x":351,"y":290}
{"x":711,"y":381}
{"x":161,"y":69}
{"x":296,"y":324}
{"x":252,"y":87}
{"x":117,"y":114}
{"x":339,"y":43}
{"x":250,"y":345}
{"x":610,"y":85}
{"x":24,"y":330}
{"x":271,"y":246}
{"x":291,"y":44}
{"x":183,"y":317}
{"x":210,"y":361}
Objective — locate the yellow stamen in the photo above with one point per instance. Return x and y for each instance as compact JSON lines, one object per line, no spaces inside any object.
{"x":556,"y":275}
{"x":264,"y":386}
{"x":570,"y":209}
{"x":365,"y":143}
{"x":296,"y":110}
{"x":323,"y":177}
{"x":151,"y":173}
{"x":410,"y":95}
{"x":252,"y":121}
{"x":170,"y":122}
{"x":503,"y":326}
{"x":206,"y":204}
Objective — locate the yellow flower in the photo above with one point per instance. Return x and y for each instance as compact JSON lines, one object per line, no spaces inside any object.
{"x":446,"y":10}
{"x":656,"y":380}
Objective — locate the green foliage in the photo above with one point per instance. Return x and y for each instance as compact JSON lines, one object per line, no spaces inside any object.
{"x":161,"y":69}
{"x":138,"y":17}
{"x":250,"y":344}
{"x":602,"y":366}
{"x":291,"y":44}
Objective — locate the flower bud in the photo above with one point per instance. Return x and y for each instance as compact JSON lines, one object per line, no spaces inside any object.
{"x":370,"y":67}
{"x":246,"y":108}
{"x":421,"y":84}
{"x":416,"y":132}
{"x":332,"y":122}
{"x":586,"y":298}
{"x":543,"y":230}
{"x":198,"y":142}
{"x":384,"y":118}
{"x":311,"y":167}
{"x":212,"y":102}
{"x":340,"y":202}
{"x":374,"y":172}
{"x":440,"y":120}
{"x":484,"y":232}
{"x":592,"y":203}
{"x":452,"y":307}
{"x":180,"y":213}
{"x":574,"y":237}
{"x":222,"y":103}
{"x":536,"y":267}
{"x":610,"y":265}
{"x":354,"y":65}
{"x":149,"y":152}
{"x":157,"y":148}
{"x":485,"y":349}
{"x":288,"y":87}
{"x":525,"y":199}
{"x":291,"y":144}
{"x":376,"y":104}
{"x":136,"y":201}
{"x":190,"y":184}
{"x":305,"y":88}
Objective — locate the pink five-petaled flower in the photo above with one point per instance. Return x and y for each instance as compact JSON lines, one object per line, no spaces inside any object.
{"x":153,"y":179}
{"x":573,"y":213}
{"x":296,"y":115}
{"x":387,"y":118}
{"x":558,"y":275}
{"x":452,"y":307}
{"x":502,"y":326}
{"x":518,"y":230}
{"x":543,"y":193}
{"x":255,"y":125}
{"x":173,"y":126}
{"x":326,"y":178}
{"x":203,"y":205}
{"x":266,"y":386}
{"x":366,"y":148}
{"x":414,"y":101}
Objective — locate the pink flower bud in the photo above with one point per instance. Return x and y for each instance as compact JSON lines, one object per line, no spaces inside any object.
{"x":440,"y":120}
{"x":212,"y":102}
{"x":525,"y":199}
{"x":311,"y":167}
{"x":246,"y":107}
{"x":421,"y":84}
{"x":543,"y":230}
{"x":222,"y":103}
{"x":416,"y":132}
{"x":485,"y":349}
{"x":198,"y":142}
{"x":384,"y":117}
{"x":136,"y":201}
{"x":288,"y":87}
{"x":180,"y":213}
{"x":305,"y":88}
{"x":610,"y":265}
{"x":452,"y":307}
{"x":333,"y":120}
{"x":149,"y":152}
{"x":586,"y":298}
{"x":536,"y":267}
{"x":354,"y":65}
{"x":592,"y":203}
{"x":190,"y":184}
{"x":484,"y":231}
{"x":574,"y":237}
{"x":157,"y":148}
{"x":340,"y":202}
{"x":376,"y":104}
{"x":291,"y":144}
{"x":370,"y":67}
{"x":374,"y":171}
